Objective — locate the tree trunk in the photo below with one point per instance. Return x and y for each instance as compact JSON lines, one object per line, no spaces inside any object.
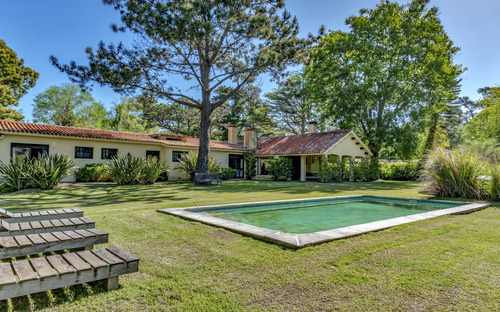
{"x":430,"y":140}
{"x":374,"y":148}
{"x":204,"y":149}
{"x":205,"y":113}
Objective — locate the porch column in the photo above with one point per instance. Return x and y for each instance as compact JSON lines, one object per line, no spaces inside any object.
{"x":303,"y":168}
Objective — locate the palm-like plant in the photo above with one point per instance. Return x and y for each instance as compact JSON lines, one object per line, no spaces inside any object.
{"x":126,"y":170}
{"x":152,"y":169}
{"x":188,"y":164}
{"x":47,"y":172}
{"x":17,"y":173}
{"x":455,"y":173}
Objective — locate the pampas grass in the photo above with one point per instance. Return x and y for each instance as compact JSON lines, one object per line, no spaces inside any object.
{"x":455,"y":173}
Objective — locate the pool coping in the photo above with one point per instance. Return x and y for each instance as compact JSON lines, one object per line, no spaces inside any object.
{"x":297,"y":241}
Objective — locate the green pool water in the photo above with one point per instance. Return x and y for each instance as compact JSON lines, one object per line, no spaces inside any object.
{"x":318,"y":215}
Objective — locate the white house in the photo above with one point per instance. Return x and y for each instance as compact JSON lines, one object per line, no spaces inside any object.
{"x":87,"y":146}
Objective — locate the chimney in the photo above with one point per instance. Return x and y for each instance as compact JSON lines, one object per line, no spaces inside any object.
{"x":313,"y":127}
{"x":232,"y":134}
{"x":250,"y":138}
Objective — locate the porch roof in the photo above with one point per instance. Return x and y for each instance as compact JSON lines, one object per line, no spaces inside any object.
{"x":309,"y":143}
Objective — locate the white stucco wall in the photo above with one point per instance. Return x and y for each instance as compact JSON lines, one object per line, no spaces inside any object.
{"x":347,"y":147}
{"x":66,"y":145}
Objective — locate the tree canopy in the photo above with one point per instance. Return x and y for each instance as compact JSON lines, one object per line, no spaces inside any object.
{"x":173,"y":117}
{"x":15,"y":80}
{"x":206,"y":43}
{"x":382,"y":78}
{"x":485,"y":125}
{"x":8,"y":113}
{"x":291,"y":105}
{"x":61,"y":105}
{"x":245,"y":109}
{"x":127,"y":116}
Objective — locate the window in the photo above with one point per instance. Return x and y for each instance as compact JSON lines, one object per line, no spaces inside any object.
{"x":29,"y":150}
{"x":84,"y":152}
{"x":237,"y":162}
{"x":153,"y":154}
{"x":263,"y":163}
{"x":176,"y":155}
{"x":109,"y":153}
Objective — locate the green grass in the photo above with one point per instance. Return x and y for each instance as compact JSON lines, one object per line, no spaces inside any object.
{"x":448,"y":263}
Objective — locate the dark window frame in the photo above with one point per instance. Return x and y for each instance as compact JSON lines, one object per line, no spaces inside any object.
{"x":30,"y":146}
{"x":239,"y":161}
{"x":83,"y":152}
{"x":108,"y":156}
{"x":177,"y":156}
{"x":153,"y":153}
{"x":262,"y":170}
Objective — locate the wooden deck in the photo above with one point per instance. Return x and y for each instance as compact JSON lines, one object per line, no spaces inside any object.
{"x":40,"y":232}
{"x":40,"y":215}
{"x":45,"y":226}
{"x":23,"y":245}
{"x":23,"y":277}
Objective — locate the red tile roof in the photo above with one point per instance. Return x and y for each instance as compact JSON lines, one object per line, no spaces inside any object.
{"x":310,"y":143}
{"x":22,"y":127}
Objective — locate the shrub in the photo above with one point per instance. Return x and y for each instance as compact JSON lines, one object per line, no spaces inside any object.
{"x":151,"y":170}
{"x":373,"y":169}
{"x":350,"y":174}
{"x":48,"y":171}
{"x":126,"y":170}
{"x":400,"y":171}
{"x":5,"y":188}
{"x":361,"y":170}
{"x":250,"y":165}
{"x":42,"y":172}
{"x":494,"y":188}
{"x":17,"y":174}
{"x":93,"y":173}
{"x":227,"y":173}
{"x":163,"y":177}
{"x":455,"y":173}
{"x":330,"y":169}
{"x":280,"y":168}
{"x":325,"y":172}
{"x":188,"y":164}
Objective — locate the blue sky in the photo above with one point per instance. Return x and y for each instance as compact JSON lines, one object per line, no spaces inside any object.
{"x":38,"y":29}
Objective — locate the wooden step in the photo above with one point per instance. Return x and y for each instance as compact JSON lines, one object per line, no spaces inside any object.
{"x":40,"y":215}
{"x":45,"y":226}
{"x":24,"y":277}
{"x":23,"y":245}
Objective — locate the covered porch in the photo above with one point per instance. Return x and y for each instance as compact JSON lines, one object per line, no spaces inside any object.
{"x":307,"y":150}
{"x":304,"y":167}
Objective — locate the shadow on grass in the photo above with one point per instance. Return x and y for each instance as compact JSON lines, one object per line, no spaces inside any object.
{"x":92,"y":195}
{"x":86,"y":195}
{"x":301,"y":187}
{"x":53,"y":298}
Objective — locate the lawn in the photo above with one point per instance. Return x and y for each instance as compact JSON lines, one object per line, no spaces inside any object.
{"x":447,"y":263}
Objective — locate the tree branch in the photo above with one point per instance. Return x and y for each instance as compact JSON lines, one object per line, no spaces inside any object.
{"x":230,"y":93}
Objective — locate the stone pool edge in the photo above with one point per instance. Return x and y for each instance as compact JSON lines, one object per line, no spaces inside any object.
{"x":297,"y":241}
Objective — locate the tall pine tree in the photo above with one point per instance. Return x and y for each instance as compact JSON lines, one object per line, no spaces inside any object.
{"x":208,"y":43}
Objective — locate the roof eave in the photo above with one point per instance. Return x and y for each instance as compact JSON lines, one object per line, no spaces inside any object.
{"x":114,"y":140}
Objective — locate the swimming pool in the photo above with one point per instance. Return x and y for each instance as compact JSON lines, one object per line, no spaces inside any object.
{"x":306,"y":222}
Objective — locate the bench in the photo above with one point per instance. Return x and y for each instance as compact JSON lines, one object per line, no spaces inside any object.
{"x":41,"y":215}
{"x":45,"y":226}
{"x":206,"y":178}
{"x":23,"y":245}
{"x":24,"y":277}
